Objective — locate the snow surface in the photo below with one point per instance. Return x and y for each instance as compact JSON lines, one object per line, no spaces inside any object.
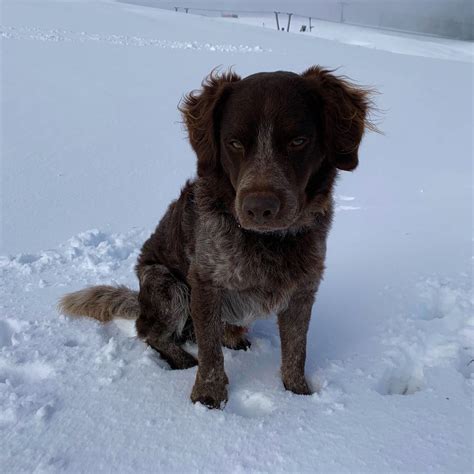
{"x":368,"y":37}
{"x":91,"y":136}
{"x":385,"y":40}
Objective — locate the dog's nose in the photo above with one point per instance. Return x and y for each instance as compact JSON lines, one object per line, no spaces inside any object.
{"x":260,"y":207}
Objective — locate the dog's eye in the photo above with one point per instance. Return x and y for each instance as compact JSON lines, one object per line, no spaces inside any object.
{"x":298,"y":142}
{"x":236,"y":145}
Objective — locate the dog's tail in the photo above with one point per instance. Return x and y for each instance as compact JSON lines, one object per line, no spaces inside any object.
{"x":103,"y":303}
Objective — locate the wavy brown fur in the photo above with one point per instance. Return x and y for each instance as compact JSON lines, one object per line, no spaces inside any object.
{"x":346,"y":109}
{"x":247,"y":237}
{"x":201,"y":108}
{"x":103,"y":303}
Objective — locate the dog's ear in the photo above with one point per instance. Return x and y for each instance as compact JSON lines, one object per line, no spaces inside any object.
{"x":201,"y":111}
{"x":345,"y":109}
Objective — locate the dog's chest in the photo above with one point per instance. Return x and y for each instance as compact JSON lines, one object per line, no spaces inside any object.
{"x":257,"y":277}
{"x":239,"y":266}
{"x":253,"y":287}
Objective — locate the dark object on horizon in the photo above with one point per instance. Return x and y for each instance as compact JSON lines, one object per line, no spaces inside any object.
{"x":229,"y":15}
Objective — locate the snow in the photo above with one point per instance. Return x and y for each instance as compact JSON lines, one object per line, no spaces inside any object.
{"x":385,"y":40}
{"x":91,"y":139}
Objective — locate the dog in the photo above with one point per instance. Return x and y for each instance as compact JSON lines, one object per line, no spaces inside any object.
{"x":247,"y":237}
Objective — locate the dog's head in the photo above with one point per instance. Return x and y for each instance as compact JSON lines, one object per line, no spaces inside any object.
{"x":279,"y":138}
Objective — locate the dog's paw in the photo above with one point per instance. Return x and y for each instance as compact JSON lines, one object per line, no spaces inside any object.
{"x":212,"y":393}
{"x":177,"y":358}
{"x":187,"y":362}
{"x":298,"y":386}
{"x":241,"y":344}
{"x":234,"y":338}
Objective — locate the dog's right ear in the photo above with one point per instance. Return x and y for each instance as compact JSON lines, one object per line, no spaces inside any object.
{"x":346,"y":108}
{"x":201,"y":111}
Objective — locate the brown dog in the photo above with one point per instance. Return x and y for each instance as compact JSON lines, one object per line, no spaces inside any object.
{"x":247,"y":238}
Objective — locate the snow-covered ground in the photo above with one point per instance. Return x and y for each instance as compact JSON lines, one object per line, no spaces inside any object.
{"x":91,"y":136}
{"x":402,"y":43}
{"x":367,"y":37}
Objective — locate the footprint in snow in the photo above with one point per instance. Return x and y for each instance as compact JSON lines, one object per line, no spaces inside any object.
{"x":250,"y":404}
{"x":27,"y":373}
{"x":439,"y":300}
{"x":44,"y":413}
{"x":6,"y":334}
{"x":9,"y":328}
{"x":405,"y":380}
{"x":71,"y":343}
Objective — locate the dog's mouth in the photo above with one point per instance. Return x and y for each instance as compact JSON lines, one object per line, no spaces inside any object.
{"x":276,"y":226}
{"x":264,"y":229}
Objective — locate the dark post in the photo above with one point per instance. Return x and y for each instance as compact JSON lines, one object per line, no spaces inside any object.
{"x":310,"y":27}
{"x":342,"y":12}
{"x":186,"y":10}
{"x":175,"y":9}
{"x":289,"y":20}
{"x":278,"y":23}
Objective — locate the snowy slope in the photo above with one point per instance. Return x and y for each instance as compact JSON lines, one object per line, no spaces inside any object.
{"x":402,"y":43}
{"x":368,"y":37}
{"x":90,"y":133}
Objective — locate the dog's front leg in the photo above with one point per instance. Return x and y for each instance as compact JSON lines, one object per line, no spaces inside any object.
{"x":293,"y":323}
{"x":210,"y":387}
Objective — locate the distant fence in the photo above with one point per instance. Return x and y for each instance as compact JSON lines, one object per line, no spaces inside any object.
{"x":448,"y":18}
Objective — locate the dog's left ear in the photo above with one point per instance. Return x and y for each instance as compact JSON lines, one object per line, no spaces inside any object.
{"x":201,"y":111}
{"x":345,"y":108}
